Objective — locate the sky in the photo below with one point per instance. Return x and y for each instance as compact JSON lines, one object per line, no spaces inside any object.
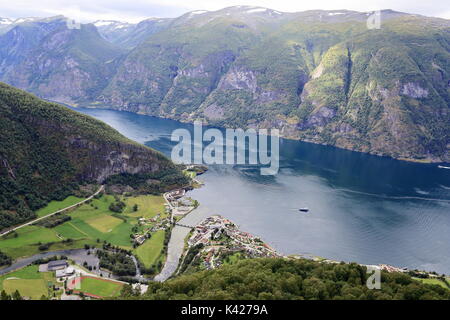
{"x":137,"y":10}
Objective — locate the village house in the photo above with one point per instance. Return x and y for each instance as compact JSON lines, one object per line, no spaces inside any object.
{"x":176,"y":194}
{"x":69,"y":271}
{"x":53,"y":266}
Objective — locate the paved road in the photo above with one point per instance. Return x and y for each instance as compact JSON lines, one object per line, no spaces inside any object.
{"x":51,"y":214}
{"x":78,"y":255}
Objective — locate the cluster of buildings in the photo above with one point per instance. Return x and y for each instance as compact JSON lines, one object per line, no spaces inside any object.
{"x":178,"y":204}
{"x":152,"y":225}
{"x":220,"y":237}
{"x":388,"y":268}
{"x":175,"y":194}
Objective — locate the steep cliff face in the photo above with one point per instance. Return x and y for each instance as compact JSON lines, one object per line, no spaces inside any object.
{"x":96,"y":159}
{"x":48,"y":150}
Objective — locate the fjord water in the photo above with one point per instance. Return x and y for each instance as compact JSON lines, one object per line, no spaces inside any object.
{"x":363,"y":208}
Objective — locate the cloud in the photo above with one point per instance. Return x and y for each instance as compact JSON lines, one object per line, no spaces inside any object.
{"x":136,"y":10}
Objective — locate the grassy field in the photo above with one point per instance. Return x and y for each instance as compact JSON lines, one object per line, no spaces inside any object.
{"x":101,"y":288}
{"x":26,"y":242}
{"x":190,"y":174}
{"x":29,"y":281}
{"x":95,"y":221}
{"x":90,"y":222}
{"x":57,"y":205}
{"x":32,"y":288}
{"x":104,"y":223}
{"x":150,"y":251}
{"x":148,"y":206}
{"x":433,"y":281}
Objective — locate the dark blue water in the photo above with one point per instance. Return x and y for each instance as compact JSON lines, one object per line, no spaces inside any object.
{"x":363,"y":208}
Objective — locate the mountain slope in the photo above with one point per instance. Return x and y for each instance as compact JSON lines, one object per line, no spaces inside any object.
{"x":62,"y":64}
{"x":113,"y":30}
{"x":319,"y":76}
{"x":47,"y":151}
{"x":141,"y":31}
{"x":21,"y":38}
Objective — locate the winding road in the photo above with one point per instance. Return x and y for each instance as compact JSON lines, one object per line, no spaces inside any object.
{"x":175,"y":246}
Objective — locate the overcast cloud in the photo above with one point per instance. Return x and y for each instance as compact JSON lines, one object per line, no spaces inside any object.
{"x":136,"y":10}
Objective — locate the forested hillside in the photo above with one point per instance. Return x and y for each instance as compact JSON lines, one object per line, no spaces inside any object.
{"x":289,"y":279}
{"x":47,"y":151}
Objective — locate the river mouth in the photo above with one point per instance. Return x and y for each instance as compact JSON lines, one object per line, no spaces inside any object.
{"x":363,"y":208}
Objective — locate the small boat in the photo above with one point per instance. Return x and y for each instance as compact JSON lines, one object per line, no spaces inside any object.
{"x":443,"y":167}
{"x":303,"y":209}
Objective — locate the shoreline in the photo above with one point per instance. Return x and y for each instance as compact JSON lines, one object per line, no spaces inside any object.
{"x":173,"y":270}
{"x":427,"y":161}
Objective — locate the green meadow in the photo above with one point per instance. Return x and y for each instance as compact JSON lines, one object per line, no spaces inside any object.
{"x":91,"y":223}
{"x":26,"y":241}
{"x":101,"y":288}
{"x":148,"y":206}
{"x":149,"y":252}
{"x":29,"y":282}
{"x":57,"y":205}
{"x":433,"y":281}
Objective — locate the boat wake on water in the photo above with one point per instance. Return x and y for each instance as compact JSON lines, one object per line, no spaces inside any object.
{"x":383,"y":196}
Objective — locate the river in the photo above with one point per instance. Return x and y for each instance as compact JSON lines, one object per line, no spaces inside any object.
{"x":363,"y":208}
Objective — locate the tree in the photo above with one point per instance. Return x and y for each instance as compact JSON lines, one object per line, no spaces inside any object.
{"x":16,"y":295}
{"x":135,"y":208}
{"x":4,"y":296}
{"x":271,"y":278}
{"x":127,"y":291}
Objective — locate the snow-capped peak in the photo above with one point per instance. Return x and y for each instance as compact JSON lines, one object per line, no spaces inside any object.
{"x":111,"y":24}
{"x":335,"y":13}
{"x":199,"y":12}
{"x":103,"y":23}
{"x":23,"y":20}
{"x":6,"y":21}
{"x":263,"y":10}
{"x":257,"y":10}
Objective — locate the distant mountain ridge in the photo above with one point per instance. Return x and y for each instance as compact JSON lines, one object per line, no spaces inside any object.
{"x":319,"y":76}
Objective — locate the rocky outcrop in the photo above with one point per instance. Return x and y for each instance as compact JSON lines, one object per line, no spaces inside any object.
{"x":239,"y":78}
{"x":414,"y":90}
{"x":319,"y":118}
{"x":105,"y":160}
